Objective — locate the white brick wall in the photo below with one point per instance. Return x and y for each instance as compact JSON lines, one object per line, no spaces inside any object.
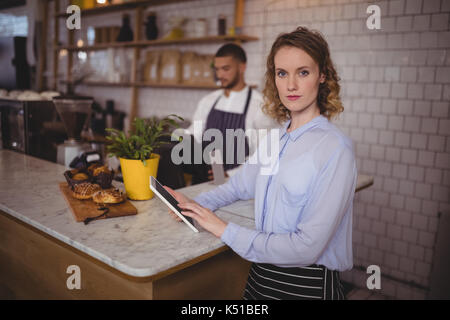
{"x":396,"y":92}
{"x":395,"y":86}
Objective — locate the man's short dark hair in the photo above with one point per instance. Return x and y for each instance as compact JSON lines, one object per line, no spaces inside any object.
{"x":233,"y":50}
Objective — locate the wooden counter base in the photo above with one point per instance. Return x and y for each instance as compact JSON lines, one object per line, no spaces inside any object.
{"x":33,"y":265}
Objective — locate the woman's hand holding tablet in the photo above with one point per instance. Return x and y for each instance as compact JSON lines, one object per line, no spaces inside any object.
{"x":181,"y":198}
{"x":171,"y":202}
{"x":205,"y":217}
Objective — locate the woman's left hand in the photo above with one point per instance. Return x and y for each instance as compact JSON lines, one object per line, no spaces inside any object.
{"x":205,"y":217}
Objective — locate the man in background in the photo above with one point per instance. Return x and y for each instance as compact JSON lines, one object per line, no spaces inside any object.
{"x":234,"y":106}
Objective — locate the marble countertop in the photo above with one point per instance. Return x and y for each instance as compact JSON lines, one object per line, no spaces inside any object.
{"x":143,"y":245}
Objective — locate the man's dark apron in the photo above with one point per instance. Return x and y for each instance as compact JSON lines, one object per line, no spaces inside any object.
{"x":222,"y":121}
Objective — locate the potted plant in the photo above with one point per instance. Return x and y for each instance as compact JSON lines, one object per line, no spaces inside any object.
{"x":135,"y":152}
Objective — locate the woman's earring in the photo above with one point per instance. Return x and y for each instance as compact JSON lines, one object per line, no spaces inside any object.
{"x":322,"y":78}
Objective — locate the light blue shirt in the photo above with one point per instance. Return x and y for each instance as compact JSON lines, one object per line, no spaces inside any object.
{"x":303,"y":211}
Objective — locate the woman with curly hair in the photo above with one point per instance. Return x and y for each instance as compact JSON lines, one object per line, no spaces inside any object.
{"x":303,"y":210}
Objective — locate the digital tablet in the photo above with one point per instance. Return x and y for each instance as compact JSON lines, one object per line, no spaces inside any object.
{"x":170,"y":201}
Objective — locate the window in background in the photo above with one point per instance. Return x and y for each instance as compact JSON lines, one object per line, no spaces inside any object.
{"x":11,"y":25}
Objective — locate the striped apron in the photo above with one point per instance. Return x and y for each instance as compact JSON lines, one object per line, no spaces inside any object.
{"x":269,"y":282}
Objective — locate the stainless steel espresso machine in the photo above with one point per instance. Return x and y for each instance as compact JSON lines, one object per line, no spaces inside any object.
{"x":75,"y":113}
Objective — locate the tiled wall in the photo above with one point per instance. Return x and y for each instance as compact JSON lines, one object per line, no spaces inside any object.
{"x":395,"y":89}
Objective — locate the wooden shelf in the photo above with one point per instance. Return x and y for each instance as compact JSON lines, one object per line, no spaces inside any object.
{"x":150,"y":85}
{"x":139,"y":7}
{"x":121,"y":7}
{"x":178,"y":86}
{"x":147,"y":85}
{"x":102,"y":83}
{"x":161,"y":42}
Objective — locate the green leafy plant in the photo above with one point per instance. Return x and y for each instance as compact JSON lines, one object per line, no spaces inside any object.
{"x":144,"y":137}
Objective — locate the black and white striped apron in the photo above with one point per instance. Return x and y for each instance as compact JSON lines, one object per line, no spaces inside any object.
{"x":269,"y":282}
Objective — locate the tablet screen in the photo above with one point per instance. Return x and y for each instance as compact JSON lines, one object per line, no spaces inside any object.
{"x":163,"y":192}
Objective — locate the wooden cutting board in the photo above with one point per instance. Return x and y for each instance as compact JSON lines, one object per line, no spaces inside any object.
{"x":82,"y":209}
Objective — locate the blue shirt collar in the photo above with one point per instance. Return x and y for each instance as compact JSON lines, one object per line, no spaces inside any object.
{"x":294,"y":135}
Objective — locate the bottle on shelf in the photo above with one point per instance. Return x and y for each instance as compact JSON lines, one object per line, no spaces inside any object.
{"x":151,"y":29}
{"x":222,"y":25}
{"x":125,"y":33}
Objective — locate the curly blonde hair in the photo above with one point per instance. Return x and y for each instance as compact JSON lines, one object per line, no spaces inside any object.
{"x":313,"y":43}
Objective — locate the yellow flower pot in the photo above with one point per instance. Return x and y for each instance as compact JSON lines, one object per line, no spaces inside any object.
{"x":136,"y":176}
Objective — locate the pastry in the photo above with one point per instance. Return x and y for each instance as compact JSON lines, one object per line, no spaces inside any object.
{"x":76,"y":176}
{"x":80,"y":176}
{"x":84,"y":190}
{"x":111,"y":195}
{"x":101,"y":169}
{"x":92,"y":167}
{"x":102,"y":176}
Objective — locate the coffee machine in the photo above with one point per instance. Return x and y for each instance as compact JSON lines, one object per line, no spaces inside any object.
{"x":75,"y":113}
